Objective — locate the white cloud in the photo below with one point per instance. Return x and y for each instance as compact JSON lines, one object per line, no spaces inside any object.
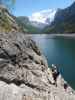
{"x":43,"y":15}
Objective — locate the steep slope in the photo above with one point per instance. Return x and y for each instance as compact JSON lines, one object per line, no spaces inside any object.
{"x":64,"y":21}
{"x":26,"y":26}
{"x":24,"y":73}
{"x":7,"y":21}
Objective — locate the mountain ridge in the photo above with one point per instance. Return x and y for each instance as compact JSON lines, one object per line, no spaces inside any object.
{"x":26,"y":26}
{"x":64,"y":21}
{"x":43,"y":16}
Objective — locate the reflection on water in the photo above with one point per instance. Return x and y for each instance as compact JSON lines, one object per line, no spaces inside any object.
{"x":59,"y":51}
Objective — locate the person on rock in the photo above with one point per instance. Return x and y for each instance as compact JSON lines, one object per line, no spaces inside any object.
{"x":65,"y":86}
{"x":55,"y":73}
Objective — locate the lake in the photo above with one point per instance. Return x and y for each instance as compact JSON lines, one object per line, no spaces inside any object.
{"x":59,"y":51}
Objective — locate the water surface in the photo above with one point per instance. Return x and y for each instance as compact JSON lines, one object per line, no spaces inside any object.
{"x":59,"y":51}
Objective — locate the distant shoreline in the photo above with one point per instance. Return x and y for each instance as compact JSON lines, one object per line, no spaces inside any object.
{"x":71,"y":36}
{"x":67,"y":35}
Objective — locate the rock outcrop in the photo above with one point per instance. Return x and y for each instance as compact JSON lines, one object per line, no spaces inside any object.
{"x":24,"y":72}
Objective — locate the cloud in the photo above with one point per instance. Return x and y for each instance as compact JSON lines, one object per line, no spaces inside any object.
{"x":43,"y":15}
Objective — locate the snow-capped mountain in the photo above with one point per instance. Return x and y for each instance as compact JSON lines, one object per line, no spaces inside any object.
{"x":43,"y":17}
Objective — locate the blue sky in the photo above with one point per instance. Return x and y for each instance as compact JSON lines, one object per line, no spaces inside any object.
{"x":27,"y":7}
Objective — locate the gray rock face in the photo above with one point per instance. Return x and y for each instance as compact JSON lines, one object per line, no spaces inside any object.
{"x":24,"y":72}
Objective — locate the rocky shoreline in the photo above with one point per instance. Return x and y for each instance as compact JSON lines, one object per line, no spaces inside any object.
{"x":24,"y":72}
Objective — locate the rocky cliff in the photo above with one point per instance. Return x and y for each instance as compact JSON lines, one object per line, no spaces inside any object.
{"x":64,"y":21}
{"x":7,"y":21}
{"x":24,"y":72}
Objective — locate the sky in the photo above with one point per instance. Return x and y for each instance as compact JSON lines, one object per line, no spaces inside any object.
{"x":29,"y":7}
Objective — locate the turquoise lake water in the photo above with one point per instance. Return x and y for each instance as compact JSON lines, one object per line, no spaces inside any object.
{"x":59,"y":51}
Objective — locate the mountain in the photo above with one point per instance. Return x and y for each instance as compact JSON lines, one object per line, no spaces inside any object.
{"x":7,"y":21}
{"x":37,"y":22}
{"x":34,"y":24}
{"x":46,"y":21}
{"x":38,"y":25}
{"x":64,"y":21}
{"x":42,"y":18}
{"x":10,"y":23}
{"x":27,"y":26}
